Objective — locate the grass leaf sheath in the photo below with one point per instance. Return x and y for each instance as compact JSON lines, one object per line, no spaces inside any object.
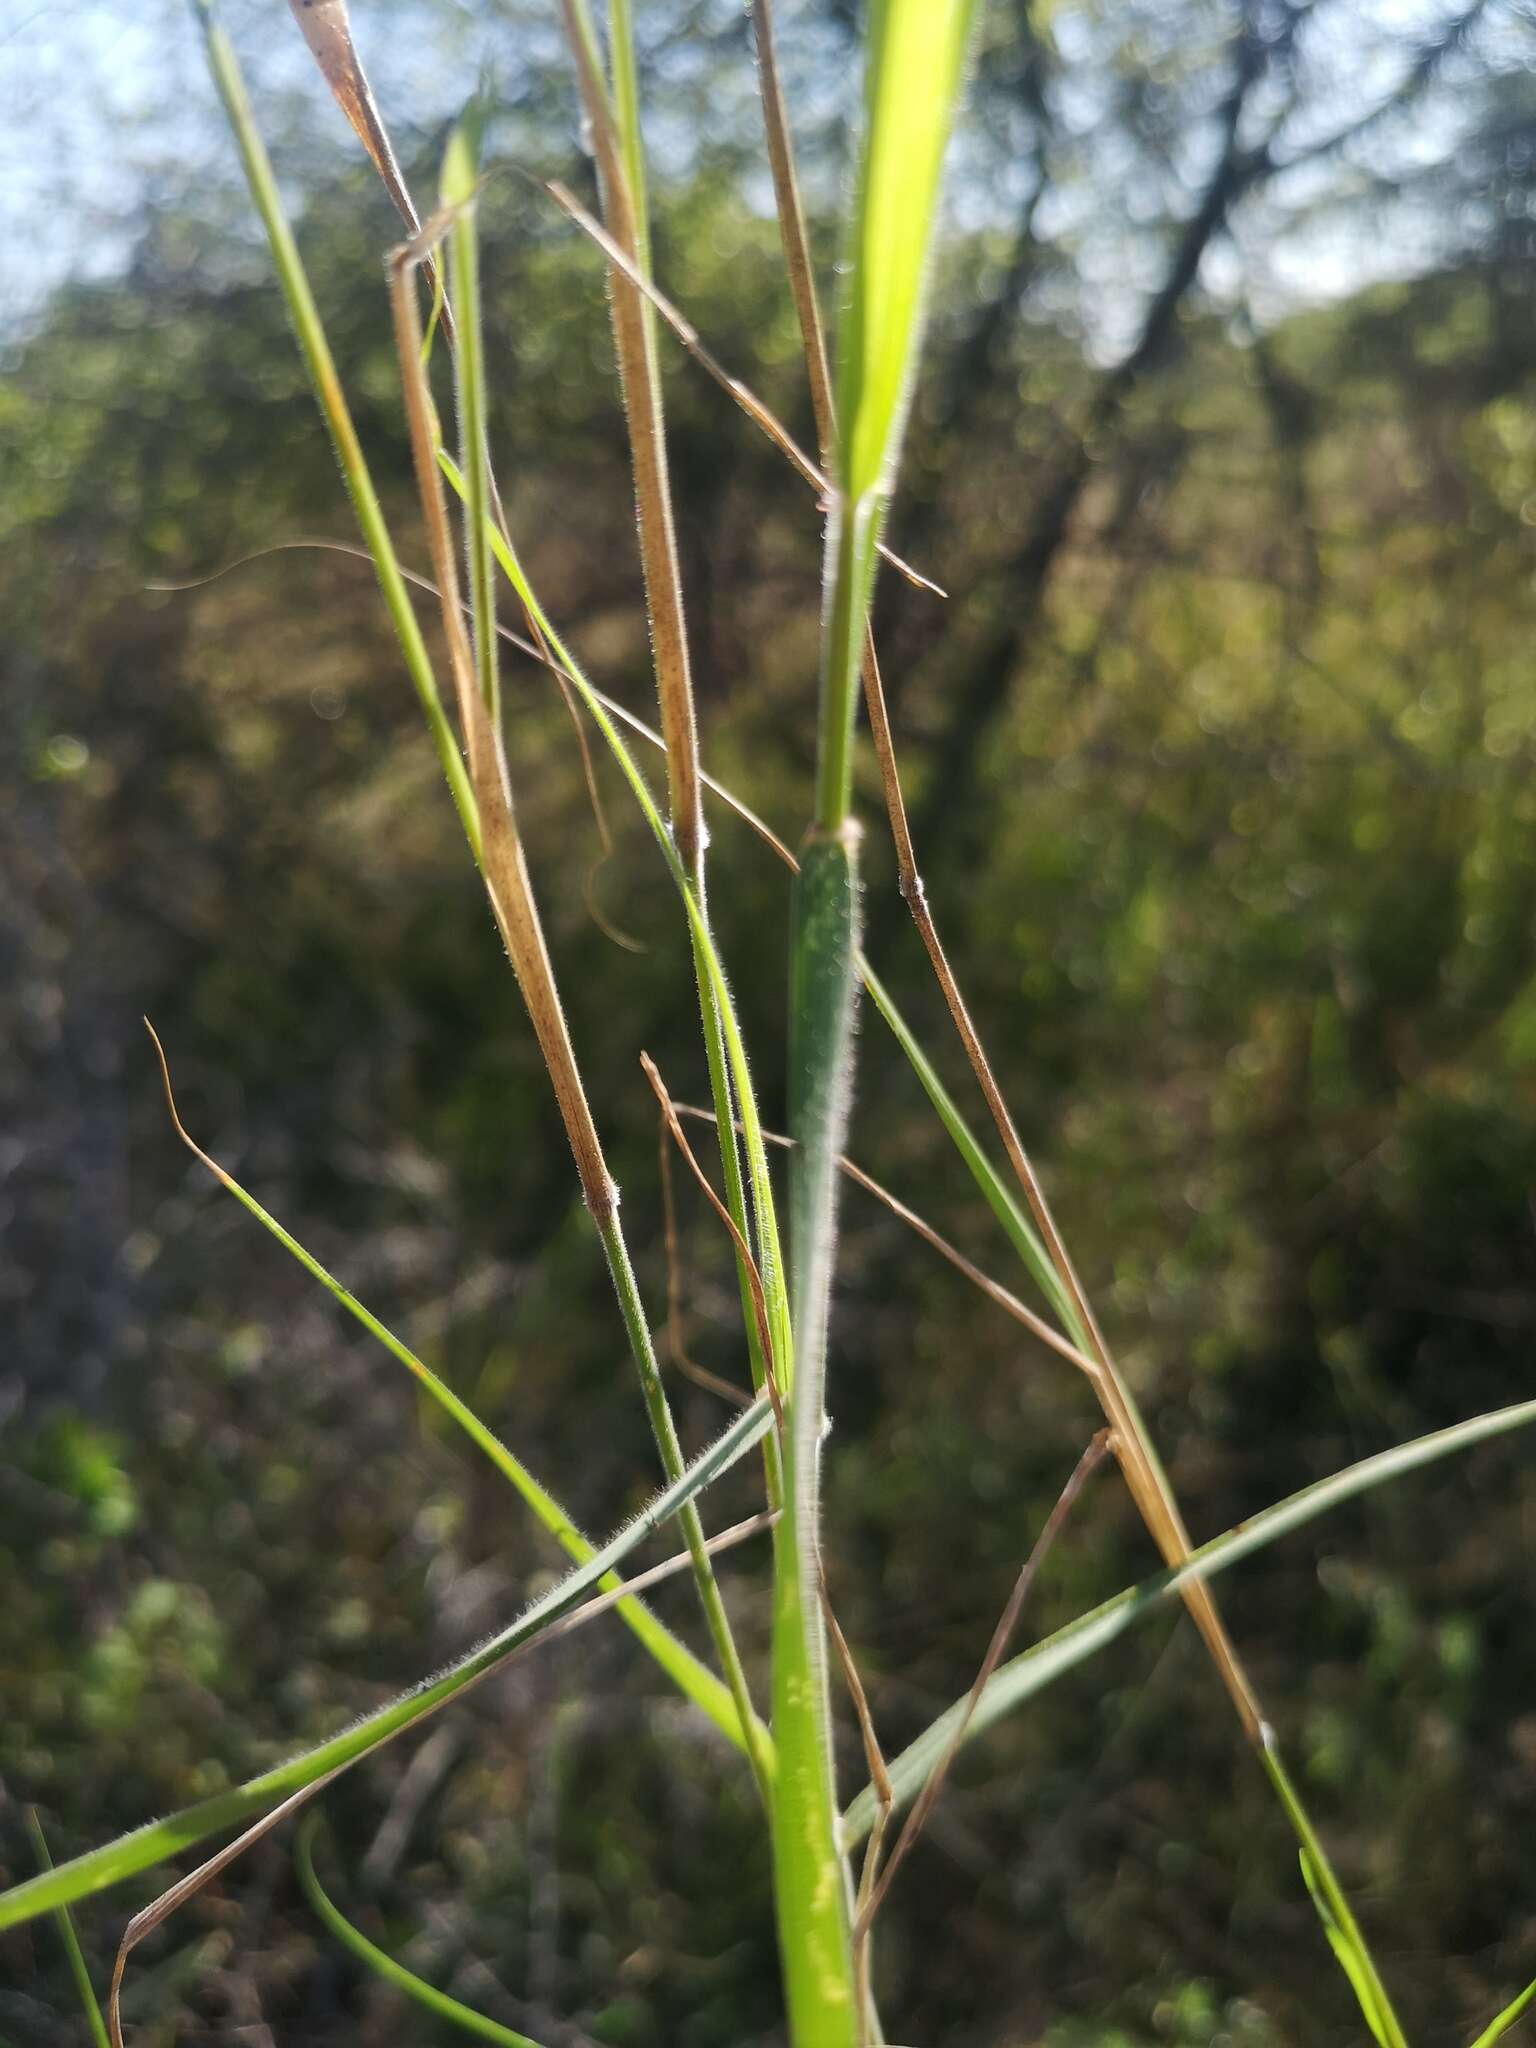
{"x":916,"y":55}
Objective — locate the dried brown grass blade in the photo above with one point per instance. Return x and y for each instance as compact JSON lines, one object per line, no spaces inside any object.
{"x":994,"y":1290}
{"x":640,"y":382}
{"x":681,"y":1357}
{"x":743,"y":1249}
{"x":797,"y":248}
{"x":761,"y":415}
{"x":327,"y":29}
{"x":507,"y":881}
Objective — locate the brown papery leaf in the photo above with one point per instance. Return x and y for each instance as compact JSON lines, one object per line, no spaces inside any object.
{"x":328,"y":32}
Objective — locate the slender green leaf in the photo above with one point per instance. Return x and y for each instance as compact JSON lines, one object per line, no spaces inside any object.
{"x":89,"y":2004}
{"x":692,"y":1678}
{"x":383,"y":1965}
{"x":916,"y":56}
{"x":998,"y":1195}
{"x":318,"y":360}
{"x":458,"y":194}
{"x":917,"y":51}
{"x":1036,"y":1668}
{"x":158,"y":1840}
{"x":1498,"y":2027}
{"x":1350,"y":1955}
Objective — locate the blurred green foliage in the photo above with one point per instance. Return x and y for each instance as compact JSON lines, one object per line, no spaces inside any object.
{"x":1240,"y":886}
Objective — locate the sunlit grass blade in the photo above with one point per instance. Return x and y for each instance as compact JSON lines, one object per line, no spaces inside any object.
{"x":693,"y":1679}
{"x":373,"y":1958}
{"x":460,"y":171}
{"x":916,"y":53}
{"x":321,"y":366}
{"x":1034,"y":1669}
{"x":159,"y":1840}
{"x":1349,"y":1953}
{"x":328,"y":31}
{"x":89,"y":2003}
{"x":1500,"y":2025}
{"x":995,"y":1191}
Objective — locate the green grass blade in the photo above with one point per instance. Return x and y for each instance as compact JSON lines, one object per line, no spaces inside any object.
{"x":458,"y":195}
{"x":315,"y":349}
{"x":692,"y":1678}
{"x":626,"y":114}
{"x":1500,"y":2026}
{"x":1348,"y":1948}
{"x":1036,"y":1668}
{"x":916,"y":51}
{"x":72,"y":1950}
{"x":159,"y":1840}
{"x":995,"y":1190}
{"x":383,"y":1965}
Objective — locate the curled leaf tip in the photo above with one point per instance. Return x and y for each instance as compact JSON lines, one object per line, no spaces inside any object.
{"x":170,"y":1102}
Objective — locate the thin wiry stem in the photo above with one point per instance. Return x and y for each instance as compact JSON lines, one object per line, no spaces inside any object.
{"x":743,"y":1250}
{"x":874,"y":1759}
{"x":796,"y":243}
{"x":84,"y":1989}
{"x":1002,"y":1635}
{"x":681,"y":1356}
{"x":1003,"y":1297}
